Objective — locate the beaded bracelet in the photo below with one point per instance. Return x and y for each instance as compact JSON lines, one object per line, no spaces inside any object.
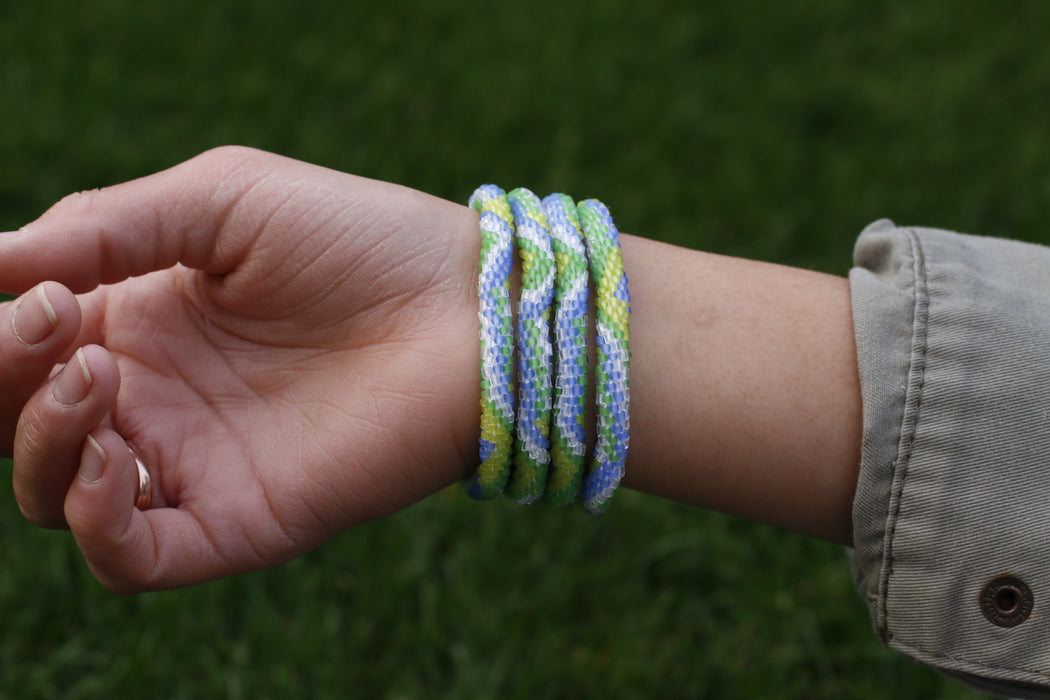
{"x":497,"y":351}
{"x":532,"y":456}
{"x":612,"y":374}
{"x":556,"y":240}
{"x":568,"y":433}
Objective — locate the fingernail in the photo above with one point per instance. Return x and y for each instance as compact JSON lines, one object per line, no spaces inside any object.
{"x":93,"y":461}
{"x":34,"y":318}
{"x":74,"y":381}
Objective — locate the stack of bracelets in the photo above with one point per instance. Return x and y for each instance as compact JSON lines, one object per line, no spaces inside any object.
{"x":539,"y":452}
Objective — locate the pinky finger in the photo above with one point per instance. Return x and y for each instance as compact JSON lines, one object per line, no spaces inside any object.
{"x":113,"y":535}
{"x":127,"y":549}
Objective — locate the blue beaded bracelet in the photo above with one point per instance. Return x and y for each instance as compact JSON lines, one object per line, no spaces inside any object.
{"x":497,"y":338}
{"x":568,"y":432}
{"x":612,"y":374}
{"x":528,"y":478}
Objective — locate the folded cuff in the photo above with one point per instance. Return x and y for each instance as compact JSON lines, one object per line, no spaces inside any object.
{"x":953,"y":496}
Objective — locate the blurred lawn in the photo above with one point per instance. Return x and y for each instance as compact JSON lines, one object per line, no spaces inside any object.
{"x":749,"y":128}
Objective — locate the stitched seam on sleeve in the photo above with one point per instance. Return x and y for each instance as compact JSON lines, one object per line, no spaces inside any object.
{"x":909,"y":420}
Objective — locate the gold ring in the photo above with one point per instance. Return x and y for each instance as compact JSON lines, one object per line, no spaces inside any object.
{"x":145,"y":495}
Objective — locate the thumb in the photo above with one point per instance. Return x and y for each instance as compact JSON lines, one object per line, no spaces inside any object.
{"x":108,"y":235}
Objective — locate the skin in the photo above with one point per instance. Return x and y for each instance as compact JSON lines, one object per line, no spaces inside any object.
{"x":294,"y":351}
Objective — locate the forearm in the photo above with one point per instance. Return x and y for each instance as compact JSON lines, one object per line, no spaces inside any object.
{"x":745,"y":393}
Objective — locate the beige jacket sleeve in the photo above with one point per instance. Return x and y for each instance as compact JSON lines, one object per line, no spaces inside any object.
{"x":952,"y":512}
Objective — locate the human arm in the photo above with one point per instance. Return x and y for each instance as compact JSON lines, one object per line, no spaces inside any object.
{"x":294,"y":351}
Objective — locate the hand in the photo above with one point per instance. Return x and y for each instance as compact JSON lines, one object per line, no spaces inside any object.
{"x":293,"y":351}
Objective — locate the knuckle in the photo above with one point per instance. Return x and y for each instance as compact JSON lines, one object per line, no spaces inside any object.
{"x":37,"y":514}
{"x":225,"y":151}
{"x":38,"y":489}
{"x":114,"y":553}
{"x":110,"y":565}
{"x":30,"y":441}
{"x":227,"y":155}
{"x":82,"y":207}
{"x":120,"y":585}
{"x":80,"y":201}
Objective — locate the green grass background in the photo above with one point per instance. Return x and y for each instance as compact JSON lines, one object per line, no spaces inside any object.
{"x":766,"y":130}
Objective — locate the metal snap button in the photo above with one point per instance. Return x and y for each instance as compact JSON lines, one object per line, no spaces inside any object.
{"x":1006,"y":601}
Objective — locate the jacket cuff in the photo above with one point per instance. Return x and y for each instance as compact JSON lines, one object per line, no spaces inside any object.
{"x":952,"y":511}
